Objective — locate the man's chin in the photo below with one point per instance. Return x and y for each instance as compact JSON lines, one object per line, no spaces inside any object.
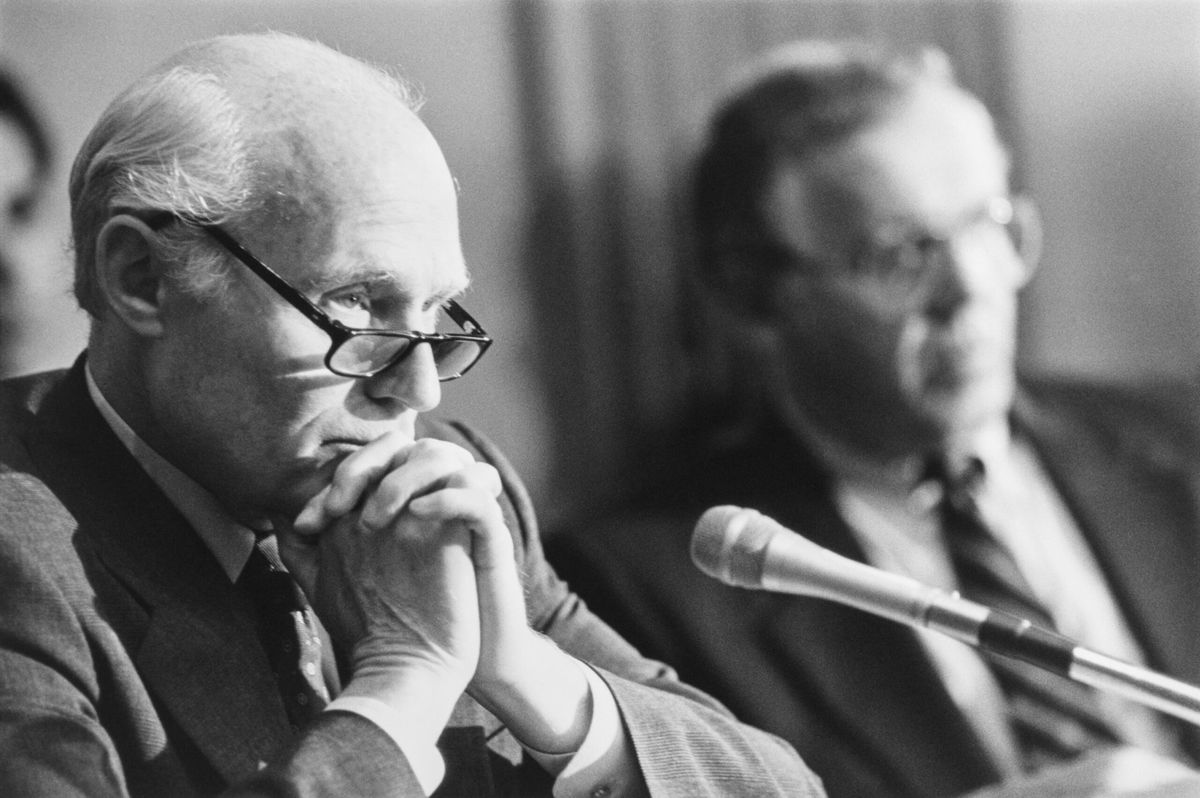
{"x":961,"y":412}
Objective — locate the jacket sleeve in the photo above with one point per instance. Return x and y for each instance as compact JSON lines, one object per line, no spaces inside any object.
{"x":339,"y":754}
{"x":687,"y":743}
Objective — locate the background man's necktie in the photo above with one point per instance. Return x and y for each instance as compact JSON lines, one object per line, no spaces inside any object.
{"x":288,"y":633}
{"x":1053,"y":718}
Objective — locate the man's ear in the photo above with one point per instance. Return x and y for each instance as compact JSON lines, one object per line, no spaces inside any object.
{"x":745,"y":280}
{"x":130,"y":273}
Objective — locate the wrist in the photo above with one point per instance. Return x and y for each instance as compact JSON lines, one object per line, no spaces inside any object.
{"x":544,"y":698}
{"x":423,"y":690}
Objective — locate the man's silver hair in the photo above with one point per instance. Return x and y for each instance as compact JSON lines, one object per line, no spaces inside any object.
{"x":176,"y":144}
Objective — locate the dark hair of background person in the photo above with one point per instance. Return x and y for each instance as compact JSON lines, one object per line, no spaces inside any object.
{"x":25,"y":187}
{"x":16,"y":105}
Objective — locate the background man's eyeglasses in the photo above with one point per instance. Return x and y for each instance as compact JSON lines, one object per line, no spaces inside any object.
{"x":911,"y":261}
{"x":364,"y":352}
{"x":904,"y":269}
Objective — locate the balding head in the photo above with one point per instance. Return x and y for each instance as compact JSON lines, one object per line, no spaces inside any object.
{"x":317,"y":165}
{"x":269,"y":127}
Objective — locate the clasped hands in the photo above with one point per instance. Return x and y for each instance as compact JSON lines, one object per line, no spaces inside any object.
{"x":406,"y":558}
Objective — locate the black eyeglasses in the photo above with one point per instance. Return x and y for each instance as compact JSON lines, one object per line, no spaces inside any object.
{"x":364,"y":352}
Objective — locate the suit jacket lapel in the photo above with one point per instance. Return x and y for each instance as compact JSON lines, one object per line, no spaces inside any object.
{"x":1138,"y":508}
{"x":873,"y":676}
{"x":197,"y":650}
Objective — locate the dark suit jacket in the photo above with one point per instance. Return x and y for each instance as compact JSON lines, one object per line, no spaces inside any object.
{"x":856,"y":694}
{"x":129,"y":664}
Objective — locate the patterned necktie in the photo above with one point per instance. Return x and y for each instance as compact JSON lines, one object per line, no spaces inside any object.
{"x":288,"y":633}
{"x":1053,"y":718}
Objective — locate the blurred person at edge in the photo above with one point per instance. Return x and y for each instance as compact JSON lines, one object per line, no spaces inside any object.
{"x":25,"y":160}
{"x":861,"y":247}
{"x":237,"y":554}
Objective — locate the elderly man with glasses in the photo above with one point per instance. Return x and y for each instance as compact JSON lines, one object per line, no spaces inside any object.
{"x":235,"y":556}
{"x":859,"y":239}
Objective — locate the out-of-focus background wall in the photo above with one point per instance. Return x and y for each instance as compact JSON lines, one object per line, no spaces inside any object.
{"x":569,"y":125}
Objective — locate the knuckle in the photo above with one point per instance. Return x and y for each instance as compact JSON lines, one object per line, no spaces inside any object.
{"x":490,"y":476}
{"x":440,"y":448}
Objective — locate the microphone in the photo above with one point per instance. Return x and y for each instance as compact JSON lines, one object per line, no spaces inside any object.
{"x":744,"y":548}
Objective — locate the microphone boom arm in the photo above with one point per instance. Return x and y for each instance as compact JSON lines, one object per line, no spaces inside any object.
{"x":744,"y":548}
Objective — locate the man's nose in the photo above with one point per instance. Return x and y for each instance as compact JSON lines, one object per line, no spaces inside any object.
{"x":966,"y":270}
{"x":412,"y":382}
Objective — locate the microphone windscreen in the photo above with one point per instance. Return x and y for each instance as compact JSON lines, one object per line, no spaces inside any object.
{"x":730,"y":543}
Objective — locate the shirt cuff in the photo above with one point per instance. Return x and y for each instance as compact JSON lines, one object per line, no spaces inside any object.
{"x":605,"y":764}
{"x":426,"y":763}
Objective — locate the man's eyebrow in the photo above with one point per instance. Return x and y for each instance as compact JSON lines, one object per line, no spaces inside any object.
{"x":328,"y":281}
{"x":375,"y":278}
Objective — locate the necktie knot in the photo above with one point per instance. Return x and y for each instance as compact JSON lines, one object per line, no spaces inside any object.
{"x":959,"y":481}
{"x":268,"y":582}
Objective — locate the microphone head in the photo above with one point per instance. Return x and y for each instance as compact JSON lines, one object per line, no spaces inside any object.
{"x":729,"y":544}
{"x":744,"y":548}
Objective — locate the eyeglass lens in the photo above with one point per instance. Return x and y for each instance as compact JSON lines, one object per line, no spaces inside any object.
{"x":915,"y":260}
{"x":367,"y":354}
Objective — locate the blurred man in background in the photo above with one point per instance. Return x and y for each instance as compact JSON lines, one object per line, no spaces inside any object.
{"x":25,"y":160}
{"x":861,"y":245}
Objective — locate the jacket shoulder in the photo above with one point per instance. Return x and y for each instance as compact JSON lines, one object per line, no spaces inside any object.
{"x":1158,"y":418}
{"x":21,"y":399}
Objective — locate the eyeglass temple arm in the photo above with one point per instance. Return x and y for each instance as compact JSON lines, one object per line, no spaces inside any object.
{"x":281,"y":286}
{"x":459,"y":316}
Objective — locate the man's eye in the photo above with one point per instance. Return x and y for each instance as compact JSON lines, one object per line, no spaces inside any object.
{"x":352,"y":308}
{"x":356,"y":300}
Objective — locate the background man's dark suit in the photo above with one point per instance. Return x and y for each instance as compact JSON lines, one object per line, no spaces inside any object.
{"x":129,"y":662}
{"x":857,"y":695}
